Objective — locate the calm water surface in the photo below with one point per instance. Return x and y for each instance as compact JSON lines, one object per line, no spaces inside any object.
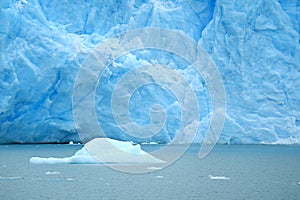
{"x":255,"y":172}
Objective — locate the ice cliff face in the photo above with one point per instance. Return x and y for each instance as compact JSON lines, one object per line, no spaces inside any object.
{"x":254,"y":44}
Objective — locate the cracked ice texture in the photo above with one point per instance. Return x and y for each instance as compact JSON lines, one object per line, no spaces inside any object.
{"x":255,"y":45}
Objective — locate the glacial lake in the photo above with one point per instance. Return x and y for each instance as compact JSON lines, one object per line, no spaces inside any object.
{"x":228,"y":172}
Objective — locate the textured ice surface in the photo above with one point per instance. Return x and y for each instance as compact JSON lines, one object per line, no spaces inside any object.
{"x":254,"y":43}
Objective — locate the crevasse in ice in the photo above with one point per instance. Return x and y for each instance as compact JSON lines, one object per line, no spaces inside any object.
{"x":254,"y":44}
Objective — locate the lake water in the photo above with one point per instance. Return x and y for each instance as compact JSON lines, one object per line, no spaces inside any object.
{"x":228,"y":172}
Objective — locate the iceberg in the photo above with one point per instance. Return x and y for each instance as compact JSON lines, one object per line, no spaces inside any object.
{"x":253,"y":43}
{"x":103,"y":151}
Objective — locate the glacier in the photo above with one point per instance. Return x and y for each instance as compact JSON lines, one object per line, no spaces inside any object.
{"x":254,"y":44}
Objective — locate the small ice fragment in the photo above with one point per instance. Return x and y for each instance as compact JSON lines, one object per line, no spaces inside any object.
{"x":218,"y":177}
{"x":11,"y":178}
{"x":70,"y":179}
{"x":52,"y":173}
{"x":159,"y":177}
{"x":298,"y":182}
{"x":71,"y":142}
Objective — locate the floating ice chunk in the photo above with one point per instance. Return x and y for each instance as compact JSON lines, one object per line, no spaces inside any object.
{"x":73,"y":143}
{"x":103,"y":150}
{"x":11,"y":178}
{"x":218,"y":177}
{"x":52,"y":173}
{"x":159,"y":177}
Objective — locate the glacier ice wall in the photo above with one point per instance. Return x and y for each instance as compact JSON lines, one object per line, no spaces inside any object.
{"x":255,"y":45}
